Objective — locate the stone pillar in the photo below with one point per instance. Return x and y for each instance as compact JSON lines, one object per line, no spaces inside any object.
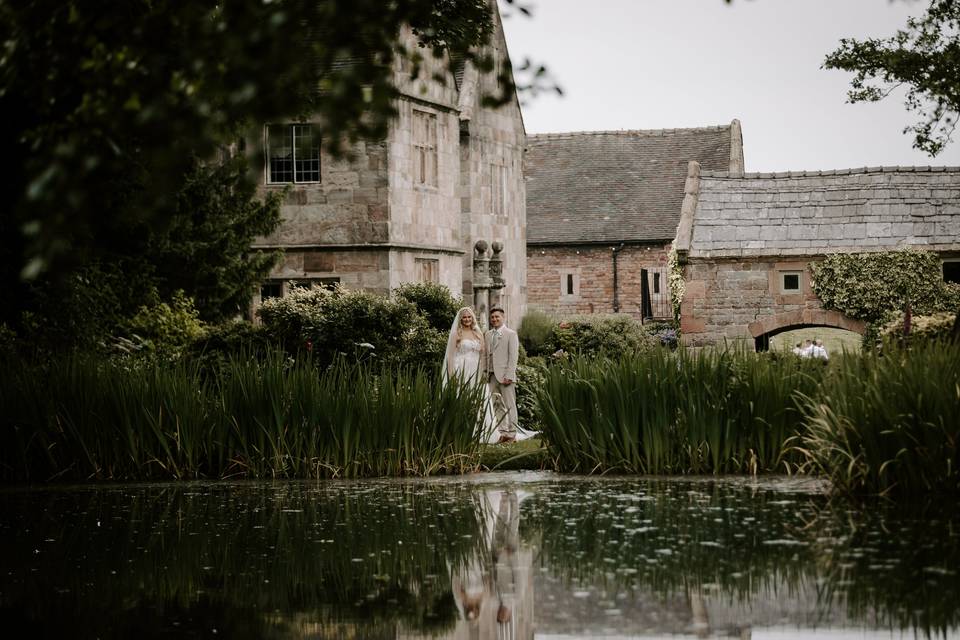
{"x":481,"y":282}
{"x":496,"y":273}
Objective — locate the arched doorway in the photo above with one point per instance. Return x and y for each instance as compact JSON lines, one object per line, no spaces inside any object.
{"x":763,"y":330}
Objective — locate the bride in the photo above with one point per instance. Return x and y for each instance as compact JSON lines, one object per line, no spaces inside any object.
{"x":464,"y":359}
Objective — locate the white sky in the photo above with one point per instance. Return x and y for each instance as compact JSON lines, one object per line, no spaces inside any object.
{"x":651,"y":64}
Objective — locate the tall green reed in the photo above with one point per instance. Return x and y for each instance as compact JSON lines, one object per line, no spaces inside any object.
{"x":687,"y":412}
{"x":270,"y":417}
{"x":888,"y":423}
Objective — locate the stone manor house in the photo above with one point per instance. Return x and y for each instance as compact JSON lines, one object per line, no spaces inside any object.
{"x":414,"y":206}
{"x":458,"y":194}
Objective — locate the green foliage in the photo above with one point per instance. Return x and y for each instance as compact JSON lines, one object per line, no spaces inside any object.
{"x":873,"y":286}
{"x":602,"y":335}
{"x":890,"y":423}
{"x":923,"y":57}
{"x":530,"y":378}
{"x":685,"y":412}
{"x":290,"y":320}
{"x":128,"y":98}
{"x":167,"y":328}
{"x":536,"y":333}
{"x":938,"y":326}
{"x":205,"y":247}
{"x":227,"y":341}
{"x":433,"y":301}
{"x":84,"y":418}
{"x":357,"y":324}
{"x":675,"y":281}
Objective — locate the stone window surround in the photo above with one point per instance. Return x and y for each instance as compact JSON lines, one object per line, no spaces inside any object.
{"x":427,"y":269}
{"x":422,"y":175}
{"x":775,"y":281}
{"x":565,"y":276}
{"x":266,"y":154}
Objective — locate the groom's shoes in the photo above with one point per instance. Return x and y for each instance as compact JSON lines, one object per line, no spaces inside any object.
{"x":506,"y":439}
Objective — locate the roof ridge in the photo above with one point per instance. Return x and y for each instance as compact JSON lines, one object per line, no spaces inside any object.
{"x":533,"y":137}
{"x":832,"y":172}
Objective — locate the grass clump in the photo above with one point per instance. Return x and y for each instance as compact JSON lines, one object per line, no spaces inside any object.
{"x":890,"y":423}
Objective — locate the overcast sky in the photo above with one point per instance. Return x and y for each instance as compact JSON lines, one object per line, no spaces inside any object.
{"x":652,"y":64}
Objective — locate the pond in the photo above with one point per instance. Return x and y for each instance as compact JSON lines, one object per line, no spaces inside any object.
{"x":499,"y":556}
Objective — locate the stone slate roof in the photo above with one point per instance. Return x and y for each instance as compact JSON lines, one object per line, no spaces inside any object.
{"x":614,"y":186}
{"x":820,"y":212}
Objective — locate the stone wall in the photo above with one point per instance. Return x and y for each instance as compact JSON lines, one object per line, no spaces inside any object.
{"x":492,"y":188}
{"x":592,"y":270}
{"x":348,"y":205}
{"x":740,"y":300}
{"x":740,"y":235}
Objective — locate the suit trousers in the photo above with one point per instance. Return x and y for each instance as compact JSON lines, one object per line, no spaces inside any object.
{"x":505,"y":412}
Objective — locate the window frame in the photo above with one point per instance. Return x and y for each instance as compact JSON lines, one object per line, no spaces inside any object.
{"x":943,"y":268}
{"x":783,"y":282}
{"x":427,"y":266}
{"x":290,"y":129}
{"x":425,"y":159}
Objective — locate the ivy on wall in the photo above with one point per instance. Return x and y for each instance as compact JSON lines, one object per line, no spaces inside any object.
{"x":675,"y":280}
{"x":874,"y":286}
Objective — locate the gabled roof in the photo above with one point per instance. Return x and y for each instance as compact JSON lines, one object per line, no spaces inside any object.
{"x":809,"y":213}
{"x":617,"y":186}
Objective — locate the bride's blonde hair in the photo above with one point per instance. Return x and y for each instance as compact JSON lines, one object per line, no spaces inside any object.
{"x":475,"y":329}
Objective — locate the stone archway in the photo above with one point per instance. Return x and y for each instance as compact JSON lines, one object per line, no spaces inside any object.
{"x":763,"y":330}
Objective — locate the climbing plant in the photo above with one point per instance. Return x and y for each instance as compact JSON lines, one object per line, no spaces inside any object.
{"x":873,"y":286}
{"x":675,"y":280}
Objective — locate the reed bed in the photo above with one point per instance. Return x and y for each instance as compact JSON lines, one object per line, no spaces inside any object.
{"x":888,"y":423}
{"x":686,"y":412}
{"x":272,"y":418}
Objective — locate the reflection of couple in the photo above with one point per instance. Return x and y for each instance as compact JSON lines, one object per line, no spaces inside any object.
{"x":492,"y":592}
{"x":489,"y":359}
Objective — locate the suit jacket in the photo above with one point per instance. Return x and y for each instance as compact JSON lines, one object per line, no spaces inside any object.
{"x":504,"y":354}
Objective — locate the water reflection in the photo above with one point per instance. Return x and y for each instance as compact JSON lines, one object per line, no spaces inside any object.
{"x":513,"y":556}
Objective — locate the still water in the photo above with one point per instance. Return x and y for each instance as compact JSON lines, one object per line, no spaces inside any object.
{"x":498,"y":556}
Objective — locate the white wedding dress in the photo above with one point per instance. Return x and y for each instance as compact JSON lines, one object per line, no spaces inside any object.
{"x":466,"y":364}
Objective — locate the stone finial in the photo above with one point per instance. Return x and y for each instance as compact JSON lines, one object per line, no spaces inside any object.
{"x":480,"y":246}
{"x":496,"y":264}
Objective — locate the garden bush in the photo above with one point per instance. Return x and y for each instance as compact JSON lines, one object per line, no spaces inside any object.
{"x":530,"y":378}
{"x":357,"y":324}
{"x":536,"y":333}
{"x":433,"y":301}
{"x":598,"y":335}
{"x":937,"y":326}
{"x":165,"y":329}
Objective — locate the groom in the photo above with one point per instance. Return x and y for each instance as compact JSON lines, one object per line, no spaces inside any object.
{"x":501,"y":366}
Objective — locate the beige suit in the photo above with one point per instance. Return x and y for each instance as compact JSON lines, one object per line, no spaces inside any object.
{"x":501,"y":364}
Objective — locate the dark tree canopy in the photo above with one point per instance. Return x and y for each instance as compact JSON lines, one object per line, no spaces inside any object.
{"x":925,"y":58}
{"x":105,"y":106}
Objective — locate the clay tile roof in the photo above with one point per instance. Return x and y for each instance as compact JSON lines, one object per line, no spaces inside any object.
{"x":614,"y":186}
